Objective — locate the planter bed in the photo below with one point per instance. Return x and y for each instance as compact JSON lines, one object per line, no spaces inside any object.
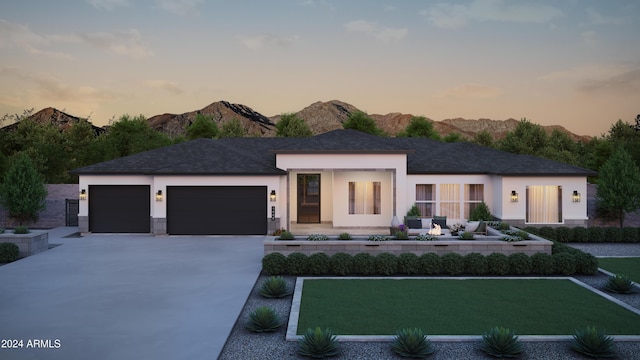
{"x":29,"y":244}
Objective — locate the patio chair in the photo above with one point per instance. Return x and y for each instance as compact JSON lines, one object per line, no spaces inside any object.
{"x":482,"y":229}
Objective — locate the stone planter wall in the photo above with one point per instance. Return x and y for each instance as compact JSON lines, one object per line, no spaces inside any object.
{"x":29,"y":244}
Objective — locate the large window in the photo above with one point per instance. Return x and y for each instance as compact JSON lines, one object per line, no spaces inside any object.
{"x":450,"y":201}
{"x":473,"y":195}
{"x":426,"y":199}
{"x":364,"y":197}
{"x":544,"y":204}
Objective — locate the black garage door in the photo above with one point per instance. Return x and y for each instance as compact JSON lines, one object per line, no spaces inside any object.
{"x":119,"y":208}
{"x":216,"y":210}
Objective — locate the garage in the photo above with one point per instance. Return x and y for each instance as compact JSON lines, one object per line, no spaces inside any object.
{"x":216,"y":210}
{"x":119,"y":208}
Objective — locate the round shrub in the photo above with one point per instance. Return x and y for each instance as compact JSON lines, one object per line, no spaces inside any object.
{"x":519,"y":264}
{"x":563,"y":234}
{"x":364,"y":263}
{"x":286,"y":235}
{"x":386,"y":264}
{"x":453,"y":264}
{"x":274,"y":264}
{"x":580,"y":234}
{"x":429,"y":264}
{"x":318,"y":264}
{"x":9,"y":252}
{"x":532,"y":230}
{"x":547,"y":232}
{"x":613,"y":234}
{"x":408,"y":263}
{"x":297,"y":264}
{"x":557,"y":248}
{"x":344,"y":236}
{"x":542,"y":264}
{"x":498,"y":264}
{"x":564,"y":263}
{"x":630,"y":235}
{"x":475,"y":264}
{"x":341,"y":264}
{"x":401,"y":235}
{"x":586,"y":263}
{"x":596,"y":234}
{"x":21,"y":230}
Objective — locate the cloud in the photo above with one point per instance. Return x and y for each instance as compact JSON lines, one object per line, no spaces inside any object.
{"x":257,"y":42}
{"x":471,"y":91}
{"x":128,"y":43}
{"x":169,"y":86}
{"x":591,"y":79}
{"x":384,"y":34}
{"x":596,"y":18}
{"x":444,"y":15}
{"x":181,"y":7}
{"x":21,"y":37}
{"x":627,"y":82}
{"x":108,"y":4}
{"x":589,"y":37}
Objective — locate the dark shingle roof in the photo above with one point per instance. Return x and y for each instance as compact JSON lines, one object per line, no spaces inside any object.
{"x":256,"y":156}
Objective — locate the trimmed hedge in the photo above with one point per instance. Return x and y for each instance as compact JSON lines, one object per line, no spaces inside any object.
{"x":591,"y":234}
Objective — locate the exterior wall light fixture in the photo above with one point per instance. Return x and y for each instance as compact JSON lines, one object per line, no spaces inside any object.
{"x":514,"y":196}
{"x":272,"y":196}
{"x":83,"y":194}
{"x":159,"y":195}
{"x":576,"y":196}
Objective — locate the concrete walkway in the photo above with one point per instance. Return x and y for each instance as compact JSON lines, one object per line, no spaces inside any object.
{"x":127,"y":296}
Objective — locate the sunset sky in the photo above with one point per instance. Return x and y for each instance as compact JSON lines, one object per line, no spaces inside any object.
{"x":574,"y":63}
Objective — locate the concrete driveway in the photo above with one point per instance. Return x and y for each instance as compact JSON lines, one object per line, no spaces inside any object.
{"x":127,"y":296}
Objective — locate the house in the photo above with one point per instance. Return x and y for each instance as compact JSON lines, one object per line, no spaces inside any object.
{"x":343,"y":178}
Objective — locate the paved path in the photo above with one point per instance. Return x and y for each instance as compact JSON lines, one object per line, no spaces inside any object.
{"x":607,"y":249}
{"x":127,"y":296}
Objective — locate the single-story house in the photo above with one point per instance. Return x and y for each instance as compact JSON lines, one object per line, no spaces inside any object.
{"x":343,"y":178}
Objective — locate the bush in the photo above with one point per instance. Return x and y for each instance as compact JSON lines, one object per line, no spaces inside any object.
{"x":504,"y":226}
{"x":286,"y":235}
{"x":430,"y":264}
{"x":411,"y":343}
{"x":620,"y":284}
{"x":580,"y":234}
{"x":274,"y":264}
{"x":547,"y":232}
{"x":275,"y":287}
{"x":586,"y":263}
{"x":297,"y":264}
{"x":408,"y":263}
{"x":401,"y":235}
{"x":467,"y":235}
{"x":9,"y":252}
{"x":318,"y":343}
{"x":426,"y":237}
{"x":21,"y":230}
{"x":542,"y":264}
{"x":520,"y":264}
{"x":344,"y":236}
{"x":377,"y":238}
{"x":475,"y":264}
{"x":593,"y":343}
{"x":501,"y":342}
{"x":564,"y":234}
{"x":317,"y":237}
{"x":564,"y":263}
{"x":498,"y":264}
{"x":386,"y":264}
{"x":453,"y":264}
{"x":414,"y":211}
{"x":364,"y":263}
{"x":613,"y":234}
{"x":341,"y":264}
{"x":630,"y":235}
{"x":263,"y":319}
{"x":480,"y":212}
{"x":596,"y":234}
{"x":318,"y":264}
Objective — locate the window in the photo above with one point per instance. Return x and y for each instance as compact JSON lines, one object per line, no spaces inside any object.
{"x":544,"y":204}
{"x":425,"y":199}
{"x":473,"y":195}
{"x":364,"y":197}
{"x":450,"y":201}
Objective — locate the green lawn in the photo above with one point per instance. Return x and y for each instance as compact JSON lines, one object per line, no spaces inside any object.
{"x":626,"y":266}
{"x":458,"y":307}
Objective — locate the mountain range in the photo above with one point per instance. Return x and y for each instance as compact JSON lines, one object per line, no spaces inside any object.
{"x":319,"y":116}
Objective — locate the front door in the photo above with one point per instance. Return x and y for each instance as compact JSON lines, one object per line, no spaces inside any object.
{"x":308,"y":198}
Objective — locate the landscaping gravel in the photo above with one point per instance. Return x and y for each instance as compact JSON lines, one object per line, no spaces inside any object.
{"x":243,"y":344}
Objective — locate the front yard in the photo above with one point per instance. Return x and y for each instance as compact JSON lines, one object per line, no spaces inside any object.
{"x":627,"y":266}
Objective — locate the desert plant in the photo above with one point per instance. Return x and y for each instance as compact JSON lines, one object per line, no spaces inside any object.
{"x":519,"y":264}
{"x":275,"y":287}
{"x":542,"y":264}
{"x":377,"y":238}
{"x":501,"y":342}
{"x":386,"y":264}
{"x":593,"y":343}
{"x":620,"y":284}
{"x":401,"y":235}
{"x":408,"y":263}
{"x":430,"y":264}
{"x":341,"y":264}
{"x":498,"y":263}
{"x":286,"y":235}
{"x":9,"y":252}
{"x":344,"y":236}
{"x":318,"y":343}
{"x":426,"y":237}
{"x":453,"y":264}
{"x":20,"y":230}
{"x":297,"y":264}
{"x":414,"y":211}
{"x":364,"y":263}
{"x":318,"y":264}
{"x":475,"y":264}
{"x":274,"y":264}
{"x":411,"y":343}
{"x":263,"y":319}
{"x":564,"y":263}
{"x":467,"y":235}
{"x":317,"y":237}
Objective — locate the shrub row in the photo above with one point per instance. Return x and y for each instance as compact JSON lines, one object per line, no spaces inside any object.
{"x":563,"y":262}
{"x":591,"y":234}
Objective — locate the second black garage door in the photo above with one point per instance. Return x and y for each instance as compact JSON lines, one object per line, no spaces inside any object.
{"x":216,"y":210}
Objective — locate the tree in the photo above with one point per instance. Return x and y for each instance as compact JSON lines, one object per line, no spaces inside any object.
{"x":232,"y":128}
{"x":23,"y":192}
{"x":360,"y":121}
{"x":527,"y":138}
{"x":292,"y":126}
{"x":483,"y":138}
{"x":419,"y":126}
{"x":202,"y":126}
{"x":619,"y":185}
{"x":453,"y":137}
{"x":129,"y":136}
